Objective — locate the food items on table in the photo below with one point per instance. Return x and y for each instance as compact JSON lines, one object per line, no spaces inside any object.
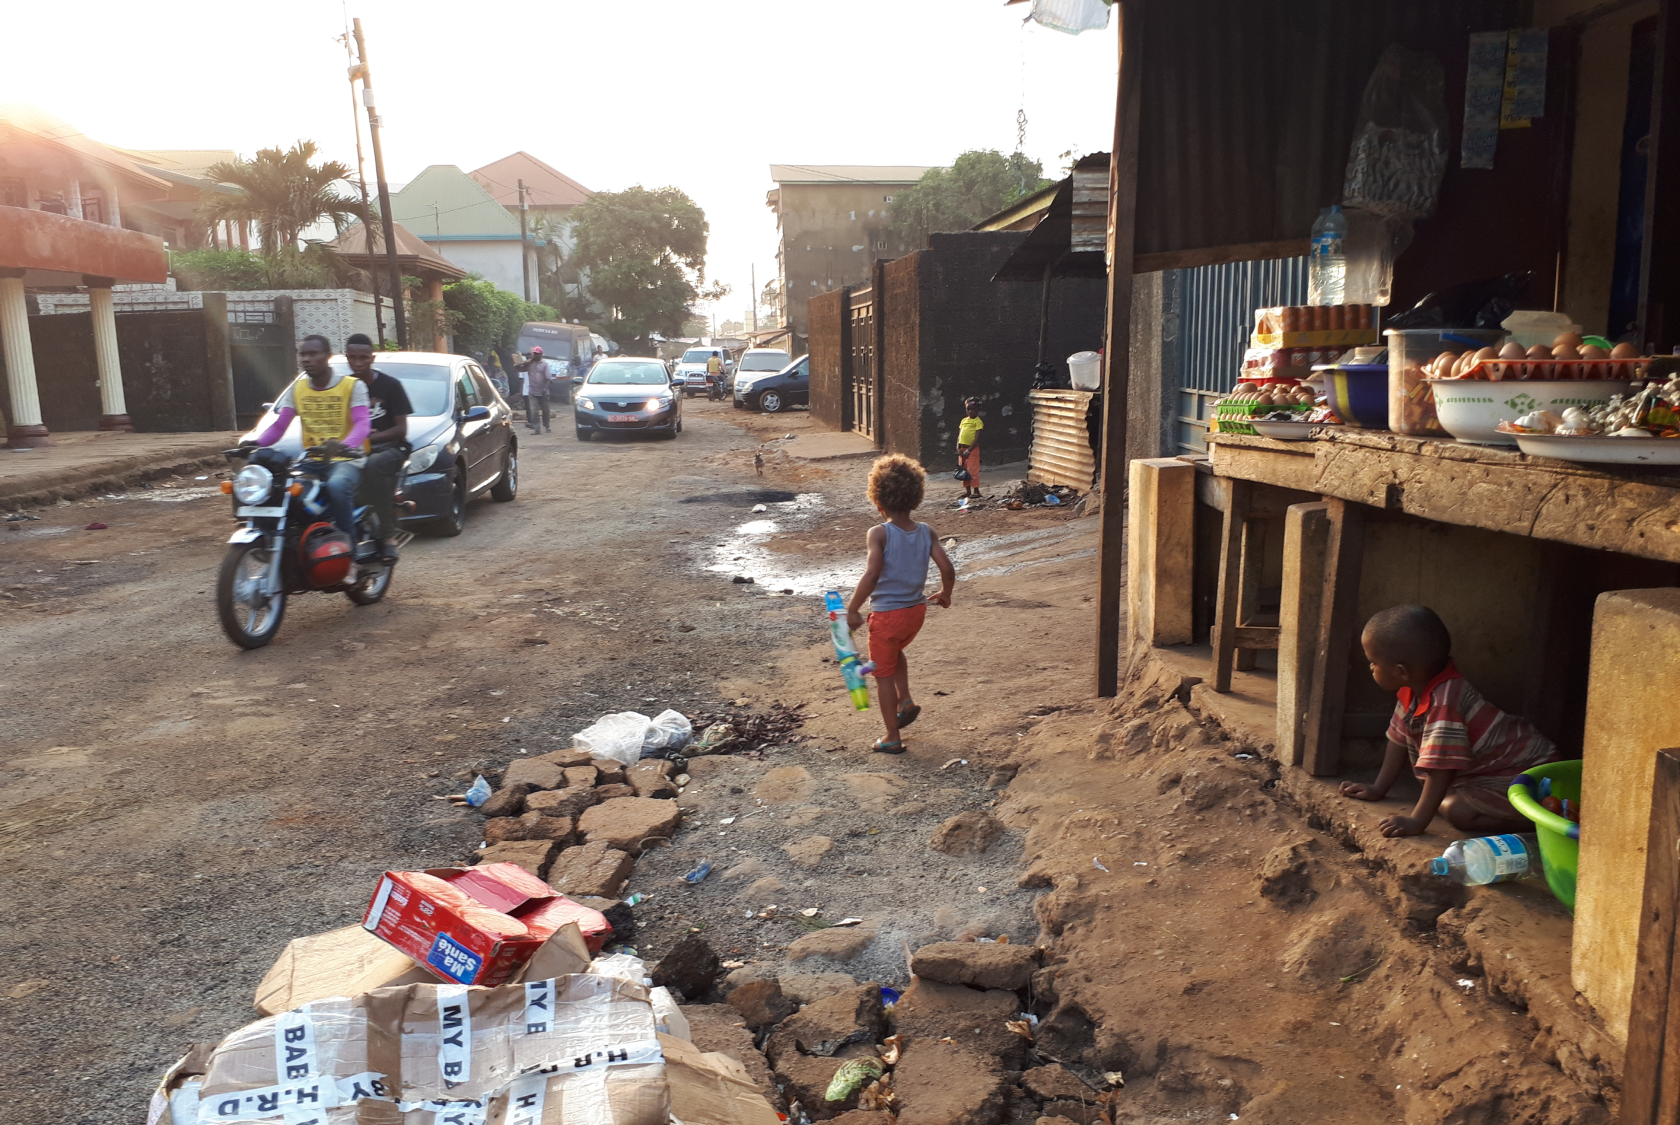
{"x":1651,"y":412}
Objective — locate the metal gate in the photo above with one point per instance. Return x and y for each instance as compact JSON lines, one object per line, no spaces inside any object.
{"x":863,"y":361}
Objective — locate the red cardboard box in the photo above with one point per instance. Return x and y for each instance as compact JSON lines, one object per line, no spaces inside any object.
{"x":430,"y":927}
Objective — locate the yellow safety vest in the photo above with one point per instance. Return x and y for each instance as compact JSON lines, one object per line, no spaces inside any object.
{"x":324,"y":415}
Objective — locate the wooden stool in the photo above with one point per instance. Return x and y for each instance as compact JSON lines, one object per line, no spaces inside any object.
{"x":1239,"y":629}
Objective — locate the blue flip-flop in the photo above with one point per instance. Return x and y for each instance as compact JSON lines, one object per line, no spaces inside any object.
{"x":908,"y":715}
{"x":882,"y":746}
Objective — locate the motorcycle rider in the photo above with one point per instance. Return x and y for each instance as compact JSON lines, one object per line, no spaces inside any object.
{"x":714,"y":376}
{"x":388,"y":411}
{"x":333,"y":410}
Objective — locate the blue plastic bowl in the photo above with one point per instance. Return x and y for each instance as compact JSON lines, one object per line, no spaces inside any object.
{"x":1358,"y":393}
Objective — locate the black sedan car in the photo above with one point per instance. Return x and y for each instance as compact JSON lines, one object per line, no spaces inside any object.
{"x":774,"y":393}
{"x":627,"y":395}
{"x":461,"y":432}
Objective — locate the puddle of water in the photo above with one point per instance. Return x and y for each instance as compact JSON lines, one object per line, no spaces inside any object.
{"x":995,"y":571}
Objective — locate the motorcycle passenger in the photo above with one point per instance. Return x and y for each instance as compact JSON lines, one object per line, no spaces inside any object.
{"x":388,"y":411}
{"x":333,"y":410}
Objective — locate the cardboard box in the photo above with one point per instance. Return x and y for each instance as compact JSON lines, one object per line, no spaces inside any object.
{"x":711,"y":1088}
{"x":436,"y":931}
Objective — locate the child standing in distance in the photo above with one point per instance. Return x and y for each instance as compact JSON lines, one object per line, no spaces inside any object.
{"x":894,"y":581}
{"x":968,"y":446}
{"x":1464,"y":749}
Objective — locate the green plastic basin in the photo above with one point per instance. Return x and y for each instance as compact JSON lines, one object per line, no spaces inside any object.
{"x":1560,"y":837}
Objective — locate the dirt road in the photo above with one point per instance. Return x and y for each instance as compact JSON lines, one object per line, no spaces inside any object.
{"x":174,"y":810}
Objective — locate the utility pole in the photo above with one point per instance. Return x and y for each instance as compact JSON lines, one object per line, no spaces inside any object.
{"x":384,"y":189}
{"x":524,"y":250}
{"x":361,"y":182}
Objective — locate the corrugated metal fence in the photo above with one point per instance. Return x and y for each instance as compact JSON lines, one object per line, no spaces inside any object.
{"x":1215,"y":316}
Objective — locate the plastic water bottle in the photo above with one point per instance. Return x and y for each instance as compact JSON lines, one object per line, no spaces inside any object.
{"x":1327,"y":267}
{"x":1489,"y":859}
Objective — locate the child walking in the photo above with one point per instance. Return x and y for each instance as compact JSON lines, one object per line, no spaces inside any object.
{"x":894,"y":582}
{"x":968,"y":446}
{"x":1464,"y":749}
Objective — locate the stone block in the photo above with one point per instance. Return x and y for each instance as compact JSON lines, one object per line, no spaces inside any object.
{"x":534,"y":856}
{"x":612,"y":792}
{"x":581,"y":776}
{"x":837,"y":943}
{"x":688,"y":968}
{"x":565,"y":758}
{"x":850,"y":1018}
{"x":760,"y":1002}
{"x":808,"y":988}
{"x":530,"y":826}
{"x":970,"y":1018}
{"x":537,"y":774}
{"x":948,"y":1084}
{"x":1632,"y":712}
{"x":1161,"y":520}
{"x":626,"y":823}
{"x":981,"y":965}
{"x":967,"y":834}
{"x":652,"y":778}
{"x":561,"y":802}
{"x":608,"y":771}
{"x":509,"y":800}
{"x":593,"y":869}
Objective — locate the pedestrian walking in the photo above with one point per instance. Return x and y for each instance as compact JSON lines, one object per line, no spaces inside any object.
{"x":968,"y":447}
{"x":537,"y":379}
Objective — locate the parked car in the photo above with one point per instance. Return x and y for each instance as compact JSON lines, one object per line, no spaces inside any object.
{"x":691,"y":368}
{"x":774,"y":392}
{"x":461,"y":432}
{"x":628,"y":395}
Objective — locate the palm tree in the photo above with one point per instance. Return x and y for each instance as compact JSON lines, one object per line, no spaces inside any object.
{"x":282,"y":193}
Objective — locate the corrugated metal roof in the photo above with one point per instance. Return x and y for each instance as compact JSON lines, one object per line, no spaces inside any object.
{"x":1248,"y":107}
{"x":544,"y":186}
{"x":847,"y":173}
{"x":464,"y":209}
{"x":411,"y":251}
{"x":182,"y":161}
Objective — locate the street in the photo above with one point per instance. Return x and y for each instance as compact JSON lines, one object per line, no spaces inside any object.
{"x":176,"y":810}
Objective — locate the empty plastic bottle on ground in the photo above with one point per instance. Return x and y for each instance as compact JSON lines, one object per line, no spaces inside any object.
{"x":1488,"y":859}
{"x":1327,"y":267}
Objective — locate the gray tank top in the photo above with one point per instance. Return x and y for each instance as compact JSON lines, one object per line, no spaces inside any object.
{"x":903,"y":581}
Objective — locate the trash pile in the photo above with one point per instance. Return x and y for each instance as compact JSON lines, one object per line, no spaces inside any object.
{"x":501,"y":992}
{"x":737,"y":730}
{"x":1030,"y":494}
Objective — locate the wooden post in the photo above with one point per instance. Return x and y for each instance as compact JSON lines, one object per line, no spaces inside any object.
{"x":1343,"y":555}
{"x":1306,"y":527}
{"x":1248,"y":590}
{"x":1237,"y":493}
{"x":1122,"y":217}
{"x":1659,"y":291}
{"x":1651,"y":1083}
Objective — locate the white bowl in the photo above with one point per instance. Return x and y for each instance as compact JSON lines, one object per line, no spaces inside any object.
{"x":1601,"y":449}
{"x":1470,"y":409}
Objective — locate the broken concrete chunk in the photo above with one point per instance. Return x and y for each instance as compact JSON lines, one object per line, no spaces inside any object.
{"x":626,"y":823}
{"x":607,"y":771}
{"x":509,"y":800}
{"x":561,"y":802}
{"x":835,"y":943}
{"x":689,"y":967}
{"x":612,"y":792}
{"x":1055,"y":1081}
{"x":982,"y":965}
{"x":530,"y":826}
{"x":571,"y":756}
{"x":854,"y":1016}
{"x":534,"y":856}
{"x":596,"y":869}
{"x":967,"y":834}
{"x":585,"y":776}
{"x":652,"y":778}
{"x":946,"y":1083}
{"x":760,"y":1002}
{"x":537,"y":774}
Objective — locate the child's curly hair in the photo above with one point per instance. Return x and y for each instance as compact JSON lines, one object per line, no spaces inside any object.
{"x":896,"y":483}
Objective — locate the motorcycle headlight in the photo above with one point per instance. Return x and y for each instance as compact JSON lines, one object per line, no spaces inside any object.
{"x":587,"y":403}
{"x":422,"y":459}
{"x":253,"y":484}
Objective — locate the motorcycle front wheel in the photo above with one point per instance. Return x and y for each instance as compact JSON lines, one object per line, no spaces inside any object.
{"x":249,"y":617}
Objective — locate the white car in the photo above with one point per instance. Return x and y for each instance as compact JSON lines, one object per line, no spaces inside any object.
{"x":691,"y":368}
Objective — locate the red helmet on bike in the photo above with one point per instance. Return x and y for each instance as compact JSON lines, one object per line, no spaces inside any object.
{"x":324,"y":555}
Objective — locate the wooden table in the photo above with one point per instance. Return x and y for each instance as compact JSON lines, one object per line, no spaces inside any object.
{"x":1629,"y":510}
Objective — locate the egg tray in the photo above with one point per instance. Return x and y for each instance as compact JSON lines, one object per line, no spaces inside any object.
{"x":1228,"y":416}
{"x":1557,"y":370}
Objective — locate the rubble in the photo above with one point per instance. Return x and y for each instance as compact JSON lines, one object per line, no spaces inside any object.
{"x":628,"y":823}
{"x":535,"y":774}
{"x":561,"y":802}
{"x":967,"y":834}
{"x":530,"y":826}
{"x":749,"y":731}
{"x":595,"y":869}
{"x":534,"y":856}
{"x":978,"y":964}
{"x":509,"y":800}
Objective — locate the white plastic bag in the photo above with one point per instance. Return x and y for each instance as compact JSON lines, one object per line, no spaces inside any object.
{"x":670,"y":730}
{"x":618,"y":736}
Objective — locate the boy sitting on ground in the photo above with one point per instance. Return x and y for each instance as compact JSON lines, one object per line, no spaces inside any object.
{"x":1464,"y":749}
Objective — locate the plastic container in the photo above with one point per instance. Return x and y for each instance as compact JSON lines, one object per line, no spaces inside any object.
{"x":1471,"y":409}
{"x":1358,"y":393}
{"x":1560,"y":837}
{"x":1529,"y":327}
{"x":1327,"y":265}
{"x":1411,"y":406}
{"x":1085,"y":370}
{"x":1487,"y":859}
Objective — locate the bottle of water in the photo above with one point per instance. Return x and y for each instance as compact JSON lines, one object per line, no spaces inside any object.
{"x":1490,"y":859}
{"x":1327,"y":266}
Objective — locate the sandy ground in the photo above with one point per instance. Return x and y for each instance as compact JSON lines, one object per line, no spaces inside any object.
{"x":175,"y":810}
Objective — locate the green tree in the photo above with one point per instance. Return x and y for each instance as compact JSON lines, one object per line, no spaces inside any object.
{"x":978,"y":183}
{"x":282,"y":192}
{"x":645,"y":251}
{"x":485,"y":318}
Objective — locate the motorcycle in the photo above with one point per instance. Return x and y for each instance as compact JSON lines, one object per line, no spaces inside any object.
{"x":288,"y":545}
{"x":714,"y":386}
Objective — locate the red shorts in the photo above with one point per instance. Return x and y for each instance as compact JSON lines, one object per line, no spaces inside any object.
{"x":889,"y":631}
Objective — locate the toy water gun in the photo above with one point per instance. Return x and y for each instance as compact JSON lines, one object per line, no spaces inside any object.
{"x":845,"y":651}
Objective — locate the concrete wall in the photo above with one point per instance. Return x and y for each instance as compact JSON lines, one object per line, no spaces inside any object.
{"x":495,"y":260}
{"x":829,"y":348}
{"x":831,"y":236}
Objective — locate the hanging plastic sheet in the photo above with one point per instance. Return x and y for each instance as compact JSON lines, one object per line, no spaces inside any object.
{"x":1071,"y":16}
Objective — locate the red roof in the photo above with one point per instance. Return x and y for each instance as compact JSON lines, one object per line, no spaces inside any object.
{"x":544,"y":186}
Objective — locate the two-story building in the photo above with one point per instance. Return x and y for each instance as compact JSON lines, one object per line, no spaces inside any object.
{"x":833,"y":221}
